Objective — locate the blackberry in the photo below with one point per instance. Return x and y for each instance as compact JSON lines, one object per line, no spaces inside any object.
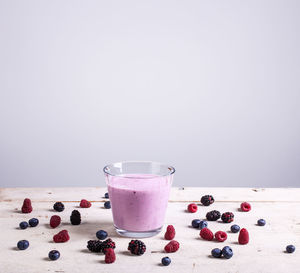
{"x":58,"y":206}
{"x":137,"y":247}
{"x":227,"y":217}
{"x":213,"y":215}
{"x":109,"y":243}
{"x":94,"y":245}
{"x":207,"y":200}
{"x":75,"y":217}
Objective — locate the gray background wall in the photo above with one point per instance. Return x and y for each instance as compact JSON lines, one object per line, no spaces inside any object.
{"x":211,"y":87}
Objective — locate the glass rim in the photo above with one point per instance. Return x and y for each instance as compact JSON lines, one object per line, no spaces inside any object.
{"x":170,"y":168}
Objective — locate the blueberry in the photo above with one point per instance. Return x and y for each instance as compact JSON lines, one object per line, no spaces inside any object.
{"x":290,"y":248}
{"x":202,"y":224}
{"x":23,"y":244}
{"x":23,"y":225}
{"x":261,"y":222}
{"x":216,"y":252}
{"x":195,"y":223}
{"x":33,"y":222}
{"x":107,"y":204}
{"x":165,"y":261}
{"x":101,"y":234}
{"x":235,"y":228}
{"x":227,"y":252}
{"x":106,"y":195}
{"x":54,"y":255}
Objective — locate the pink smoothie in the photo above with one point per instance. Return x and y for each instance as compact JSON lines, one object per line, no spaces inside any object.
{"x":139,"y":201}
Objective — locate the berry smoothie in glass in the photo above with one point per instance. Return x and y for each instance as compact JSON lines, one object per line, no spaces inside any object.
{"x":139,"y":193}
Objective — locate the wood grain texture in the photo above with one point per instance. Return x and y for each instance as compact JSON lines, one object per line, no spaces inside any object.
{"x":264,"y":253}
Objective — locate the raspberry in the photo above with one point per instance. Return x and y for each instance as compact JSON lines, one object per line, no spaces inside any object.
{"x":26,"y":208}
{"x":245,"y":206}
{"x":55,"y":221}
{"x":58,"y":206}
{"x":85,"y":203}
{"x":109,"y":243}
{"x":110,"y":256}
{"x":192,"y":207}
{"x":75,"y":217}
{"x":227,"y":217}
{"x":206,"y":234}
{"x":221,"y":236}
{"x":137,"y":247}
{"x":207,"y":200}
{"x":173,"y":246}
{"x":170,"y":233}
{"x":213,"y":215}
{"x":243,"y":237}
{"x":61,"y":237}
{"x":94,"y":245}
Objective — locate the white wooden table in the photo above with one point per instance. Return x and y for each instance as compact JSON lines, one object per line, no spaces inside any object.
{"x":265,"y":252}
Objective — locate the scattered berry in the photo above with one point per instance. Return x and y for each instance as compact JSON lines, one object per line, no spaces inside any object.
{"x":227,"y":252}
{"x":221,"y":236}
{"x":206,"y":234}
{"x":107,"y":205}
{"x":85,"y":203}
{"x":170,"y":233}
{"x":94,"y":246}
{"x":75,"y":217}
{"x":216,"y":252}
{"x":213,"y":215}
{"x":192,"y":208}
{"x":243,"y":237}
{"x":23,"y":225}
{"x":137,"y":247}
{"x":59,"y":206}
{"x":290,"y":248}
{"x":202,"y":225}
{"x":261,"y":222}
{"x":23,"y":244}
{"x":61,"y":237}
{"x":106,"y":195}
{"x":227,"y":217}
{"x":235,"y":228}
{"x":173,"y":246}
{"x":26,"y":208}
{"x":109,"y":243}
{"x":207,"y":200}
{"x":165,"y":261}
{"x":101,"y":234}
{"x":54,"y":255}
{"x":196,"y":223}
{"x":55,"y":221}
{"x":110,"y":256}
{"x":33,"y":222}
{"x":245,"y":206}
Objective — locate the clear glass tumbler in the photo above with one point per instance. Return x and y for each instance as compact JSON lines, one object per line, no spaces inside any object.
{"x":139,"y":193}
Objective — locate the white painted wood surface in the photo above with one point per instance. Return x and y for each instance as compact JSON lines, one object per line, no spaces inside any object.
{"x":265,"y":252}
